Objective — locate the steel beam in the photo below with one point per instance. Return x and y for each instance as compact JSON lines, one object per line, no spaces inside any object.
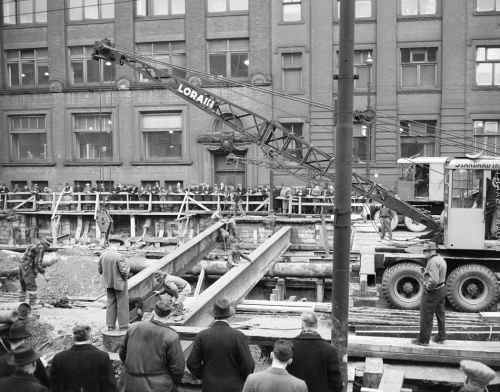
{"x":238,"y":282}
{"x":178,"y":262}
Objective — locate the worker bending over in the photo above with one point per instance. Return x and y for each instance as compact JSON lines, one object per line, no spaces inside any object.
{"x":177,"y":289}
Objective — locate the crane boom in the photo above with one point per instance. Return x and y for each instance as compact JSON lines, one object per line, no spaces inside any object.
{"x":272,"y":138}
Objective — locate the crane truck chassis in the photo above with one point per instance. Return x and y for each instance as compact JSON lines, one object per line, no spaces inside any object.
{"x":473,"y":262}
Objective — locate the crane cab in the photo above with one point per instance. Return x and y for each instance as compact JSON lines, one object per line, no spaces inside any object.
{"x":472,"y":194}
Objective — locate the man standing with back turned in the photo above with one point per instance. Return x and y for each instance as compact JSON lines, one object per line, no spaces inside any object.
{"x":433,"y":298}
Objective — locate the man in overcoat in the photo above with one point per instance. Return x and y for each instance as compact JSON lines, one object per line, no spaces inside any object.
{"x":314,"y":359}
{"x":152,"y":355}
{"x":220,"y":356}
{"x":114,"y":275}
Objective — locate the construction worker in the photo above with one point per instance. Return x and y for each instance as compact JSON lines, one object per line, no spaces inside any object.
{"x":478,"y":375}
{"x":386,"y":215}
{"x":175,"y":287}
{"x":31,"y":265}
{"x":236,"y":254}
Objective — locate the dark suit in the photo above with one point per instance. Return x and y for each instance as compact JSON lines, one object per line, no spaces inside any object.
{"x":274,"y":380}
{"x":221,"y":358}
{"x":7,"y":370}
{"x":20,"y":382}
{"x":114,"y":273}
{"x":316,"y":362}
{"x":82,"y":368}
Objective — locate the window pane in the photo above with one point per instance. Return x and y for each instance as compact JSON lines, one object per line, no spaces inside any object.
{"x":25,"y":11}
{"x":28,"y":74}
{"x":493,"y":54}
{"x":163,"y":144}
{"x":108,"y":72}
{"x":140,"y":7}
{"x":179,"y":60}
{"x":478,"y":127}
{"x":409,"y":76}
{"x":498,"y":5}
{"x":9,"y":12}
{"x":107,"y":9}
{"x":160,"y":7}
{"x":485,"y":5}
{"x":417,"y":55}
{"x":75,"y":9}
{"x":287,"y":60}
{"x":291,"y":12}
{"x":480,"y":54}
{"x":41,"y":11}
{"x":238,"y":5}
{"x":497,"y":74}
{"x":93,"y":145}
{"x":428,"y":75}
{"x":218,"y":44}
{"x":76,"y":51}
{"x":178,"y":7}
{"x":431,"y":55}
{"x":77,"y":71}
{"x":363,"y":8}
{"x":42,"y":53}
{"x":484,"y":74}
{"x":28,"y":54}
{"x":405,"y":55}
{"x":490,"y":127}
{"x":216,"y":5}
{"x":163,"y":121}
{"x":239,"y":67}
{"x":239,"y":44}
{"x":13,"y":70}
{"x":297,"y":59}
{"x":218,"y":64}
{"x":29,"y":146}
{"x":359,"y":148}
{"x":92,"y":71}
{"x":409,"y":7}
{"x":292,"y":80}
{"x":364,"y":77}
{"x":91,"y":9}
{"x":427,"y":7}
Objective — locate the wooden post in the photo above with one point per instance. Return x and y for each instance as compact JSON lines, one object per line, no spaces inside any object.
{"x":79,"y":206}
{"x":78,"y":228}
{"x":374,"y":368}
{"x":280,"y":285}
{"x":150,"y":205}
{"x":290,"y":200}
{"x":200,"y":284}
{"x":132,"y":226}
{"x":128,"y":201}
{"x":320,"y":290}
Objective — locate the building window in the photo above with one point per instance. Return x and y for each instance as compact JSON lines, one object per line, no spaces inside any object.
{"x":89,"y":10}
{"x":418,"y":67}
{"x":152,"y":8}
{"x":488,"y":66}
{"x":292,"y":10}
{"x":363,"y":8}
{"x":28,"y":138}
{"x":27,"y":68}
{"x":20,"y":12}
{"x":359,"y":145}
{"x":292,"y":71}
{"x":93,"y":138}
{"x":417,"y":138}
{"x":221,"y":126}
{"x":166,"y":52}
{"x":227,"y":5}
{"x":85,"y":70}
{"x":228,"y":58}
{"x":162,"y":135}
{"x":486,"y":136}
{"x":296,"y":128}
{"x":362,"y":68}
{"x":418,"y":7}
{"x":488,"y":5}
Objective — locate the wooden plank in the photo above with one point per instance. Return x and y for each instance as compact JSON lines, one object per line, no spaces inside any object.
{"x":199,"y":284}
{"x":374,"y":368}
{"x":490,"y":316}
{"x":392,"y":380}
{"x":161,"y":232}
{"x":367,"y":264}
{"x":132,"y":226}
{"x":78,"y":228}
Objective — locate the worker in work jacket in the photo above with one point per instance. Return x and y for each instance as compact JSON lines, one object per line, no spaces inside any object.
{"x":31,"y":265}
{"x":175,"y":287}
{"x":386,"y":215}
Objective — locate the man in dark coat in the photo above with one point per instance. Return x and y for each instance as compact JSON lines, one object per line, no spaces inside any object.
{"x":17,"y":337}
{"x":24,"y":359}
{"x":221,"y":357}
{"x":114,"y":274}
{"x":315,"y":360}
{"x":83,"y":367}
{"x":152,"y":355}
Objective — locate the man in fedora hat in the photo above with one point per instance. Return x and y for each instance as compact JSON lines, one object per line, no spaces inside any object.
{"x":31,"y":265}
{"x":433,"y":297}
{"x":220,"y":356}
{"x":18,"y":336}
{"x":24,"y":359}
{"x":114,"y":275}
{"x":152,"y":355}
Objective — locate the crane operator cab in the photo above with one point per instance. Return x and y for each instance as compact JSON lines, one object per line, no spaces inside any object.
{"x":472,"y":194}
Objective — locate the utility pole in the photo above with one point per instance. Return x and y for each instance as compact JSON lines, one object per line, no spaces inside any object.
{"x":369,"y":62}
{"x":343,"y":185}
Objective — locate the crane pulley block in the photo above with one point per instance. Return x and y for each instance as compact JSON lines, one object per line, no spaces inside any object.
{"x":104,"y":221}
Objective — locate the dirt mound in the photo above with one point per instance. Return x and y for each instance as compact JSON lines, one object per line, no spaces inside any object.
{"x":9,"y":260}
{"x":79,"y":250}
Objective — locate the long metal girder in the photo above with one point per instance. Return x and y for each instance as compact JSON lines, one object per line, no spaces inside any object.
{"x":238,"y":282}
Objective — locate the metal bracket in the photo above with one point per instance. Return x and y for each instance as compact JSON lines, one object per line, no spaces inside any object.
{"x":336,"y":211}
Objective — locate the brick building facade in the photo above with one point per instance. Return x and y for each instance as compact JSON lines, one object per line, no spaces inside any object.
{"x":435,"y":83}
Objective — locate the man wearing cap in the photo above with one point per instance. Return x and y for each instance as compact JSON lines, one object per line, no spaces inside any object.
{"x":386,"y":216}
{"x":18,"y":336}
{"x":3,"y":195}
{"x":478,"y":375}
{"x":175,"y":287}
{"x":220,"y":356}
{"x":24,"y":359}
{"x":152,"y":356}
{"x":433,"y":297}
{"x":114,"y":275}
{"x":31,"y":265}
{"x":88,"y":191}
{"x":316,"y":361}
{"x":67,"y":195}
{"x":82,"y":367}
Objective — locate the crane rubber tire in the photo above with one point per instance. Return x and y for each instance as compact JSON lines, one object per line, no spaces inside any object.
{"x":394,"y":221}
{"x":403,"y":285}
{"x":472,"y":288}
{"x":414,"y":226}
